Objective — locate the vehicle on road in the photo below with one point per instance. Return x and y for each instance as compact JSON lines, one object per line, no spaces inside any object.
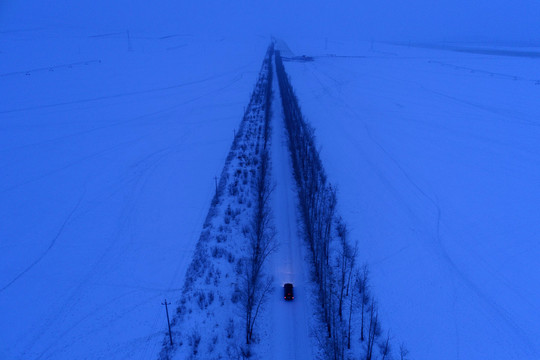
{"x":288,"y":291}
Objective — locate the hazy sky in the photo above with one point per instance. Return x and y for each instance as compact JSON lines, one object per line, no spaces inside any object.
{"x":379,"y":19}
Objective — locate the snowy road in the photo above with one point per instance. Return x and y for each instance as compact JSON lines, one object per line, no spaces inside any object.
{"x":289,"y":321}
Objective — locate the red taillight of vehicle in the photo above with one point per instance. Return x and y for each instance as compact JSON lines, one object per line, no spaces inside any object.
{"x":285,"y":297}
{"x":293,"y":297}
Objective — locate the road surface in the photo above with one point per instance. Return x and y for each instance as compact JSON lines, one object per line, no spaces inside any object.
{"x":289,"y":321}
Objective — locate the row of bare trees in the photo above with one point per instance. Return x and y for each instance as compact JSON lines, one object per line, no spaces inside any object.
{"x":346,"y":305}
{"x":317,"y":201}
{"x":255,"y":284}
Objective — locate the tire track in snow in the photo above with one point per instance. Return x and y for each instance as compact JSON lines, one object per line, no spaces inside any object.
{"x":138,"y":177}
{"x":70,"y":164}
{"x":48,"y":249}
{"x":118,"y":95}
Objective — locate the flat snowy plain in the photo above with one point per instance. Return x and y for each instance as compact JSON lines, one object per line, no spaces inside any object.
{"x":108,"y":149}
{"x":436,"y":156}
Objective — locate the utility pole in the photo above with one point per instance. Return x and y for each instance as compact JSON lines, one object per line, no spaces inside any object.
{"x":168,"y":321}
{"x":215,"y":181}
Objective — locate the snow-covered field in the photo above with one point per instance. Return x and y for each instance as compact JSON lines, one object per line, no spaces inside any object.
{"x":436,"y":156}
{"x":108,"y":148}
{"x":110,"y":141}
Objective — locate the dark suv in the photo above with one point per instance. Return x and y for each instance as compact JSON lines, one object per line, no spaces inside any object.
{"x":288,"y":289}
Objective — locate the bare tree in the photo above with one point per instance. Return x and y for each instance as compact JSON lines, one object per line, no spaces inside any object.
{"x":352,"y":265}
{"x":403,"y":352}
{"x":254,"y":292}
{"x":344,"y":261}
{"x":351,"y":306}
{"x":259,"y":300}
{"x":374,"y":330}
{"x":261,"y":245}
{"x":385,"y":348}
{"x":363,"y":290}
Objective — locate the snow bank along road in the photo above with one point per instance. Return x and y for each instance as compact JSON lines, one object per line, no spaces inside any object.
{"x":216,"y":305}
